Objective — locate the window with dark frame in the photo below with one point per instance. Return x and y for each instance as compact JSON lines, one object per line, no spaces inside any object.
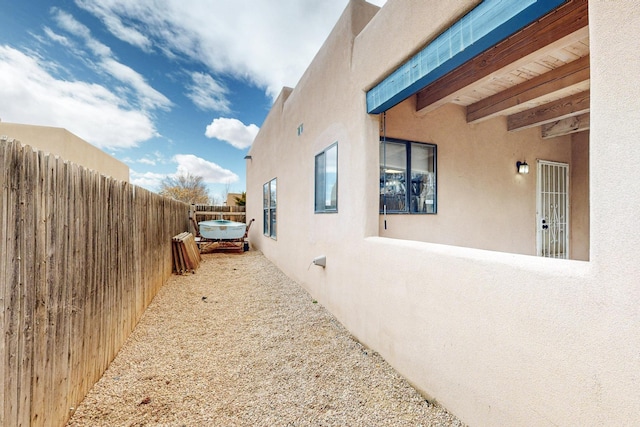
{"x":269,"y":204}
{"x":326,"y":180}
{"x":407,"y":177}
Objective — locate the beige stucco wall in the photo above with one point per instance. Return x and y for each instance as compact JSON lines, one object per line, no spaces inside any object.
{"x":67,"y":146}
{"x":579,"y":194}
{"x":232,"y":199}
{"x":320,"y":108}
{"x":498,"y":338}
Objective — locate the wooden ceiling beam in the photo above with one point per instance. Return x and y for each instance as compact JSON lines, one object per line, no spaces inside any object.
{"x":562,"y":77}
{"x":566,"y":126}
{"x":561,"y":22}
{"x":553,"y":111}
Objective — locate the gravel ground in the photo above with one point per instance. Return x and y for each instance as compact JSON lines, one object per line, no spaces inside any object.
{"x":240,"y":344}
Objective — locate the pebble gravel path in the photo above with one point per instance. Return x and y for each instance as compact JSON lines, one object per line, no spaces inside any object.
{"x":240,"y":344}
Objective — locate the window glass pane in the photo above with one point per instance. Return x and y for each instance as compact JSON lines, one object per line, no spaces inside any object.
{"x":265,"y":209}
{"x":326,"y":180}
{"x":273,"y":193}
{"x":273,"y":222}
{"x":265,"y":195}
{"x":269,"y":208}
{"x":273,"y":209}
{"x":331,"y":178}
{"x":265,"y":222}
{"x":320,"y":182}
{"x":393,"y":176}
{"x":423,"y":179}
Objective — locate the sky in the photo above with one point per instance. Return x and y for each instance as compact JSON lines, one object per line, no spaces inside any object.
{"x":166,"y":86}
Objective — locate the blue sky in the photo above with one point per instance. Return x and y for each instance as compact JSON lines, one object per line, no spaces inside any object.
{"x":166,"y":86}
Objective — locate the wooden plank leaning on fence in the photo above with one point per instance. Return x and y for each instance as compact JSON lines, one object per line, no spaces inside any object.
{"x":186,"y":256}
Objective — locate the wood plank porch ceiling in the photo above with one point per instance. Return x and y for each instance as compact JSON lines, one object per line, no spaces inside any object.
{"x":535,"y":87}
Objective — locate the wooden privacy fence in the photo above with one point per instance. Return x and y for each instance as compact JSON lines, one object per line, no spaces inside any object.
{"x":81,"y":257}
{"x":207,"y":212}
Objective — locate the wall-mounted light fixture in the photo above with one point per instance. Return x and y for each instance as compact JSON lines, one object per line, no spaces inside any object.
{"x":247,"y":157}
{"x":522,"y":167}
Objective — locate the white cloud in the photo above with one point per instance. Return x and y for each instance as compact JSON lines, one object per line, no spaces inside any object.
{"x":64,"y":41}
{"x":208,"y":94}
{"x":269,"y":43}
{"x":118,"y":28}
{"x":232,"y":131}
{"x":91,"y":111}
{"x":148,"y":97}
{"x":209,"y":171}
{"x":70,"y":24}
{"x":111,"y":15}
{"x":148,"y":180}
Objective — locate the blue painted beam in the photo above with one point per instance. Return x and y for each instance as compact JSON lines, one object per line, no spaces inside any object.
{"x":486,"y":25}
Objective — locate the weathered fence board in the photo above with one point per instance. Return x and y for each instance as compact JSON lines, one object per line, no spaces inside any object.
{"x":26,"y":299}
{"x":40,"y":324}
{"x":11,"y":293}
{"x":81,"y":257}
{"x":5,"y":162}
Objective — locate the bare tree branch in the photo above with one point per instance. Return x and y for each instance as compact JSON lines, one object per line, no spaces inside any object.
{"x":186,"y":188}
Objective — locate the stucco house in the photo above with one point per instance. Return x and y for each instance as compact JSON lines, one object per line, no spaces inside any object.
{"x":66,"y":145}
{"x":464,"y":173}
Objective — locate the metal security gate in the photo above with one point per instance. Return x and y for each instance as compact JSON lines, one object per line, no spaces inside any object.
{"x":552,"y":214}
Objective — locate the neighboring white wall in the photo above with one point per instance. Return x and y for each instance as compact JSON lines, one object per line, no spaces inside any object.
{"x":497,"y":338}
{"x":60,"y":142}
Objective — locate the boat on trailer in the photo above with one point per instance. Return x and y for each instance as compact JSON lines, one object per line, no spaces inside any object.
{"x":222,"y":234}
{"x":222,"y":229}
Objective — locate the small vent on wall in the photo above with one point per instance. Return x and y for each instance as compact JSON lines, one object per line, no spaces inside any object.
{"x":300,"y":129}
{"x":320,"y":261}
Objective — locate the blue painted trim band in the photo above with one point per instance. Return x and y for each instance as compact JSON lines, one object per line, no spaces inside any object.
{"x":486,"y":25}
